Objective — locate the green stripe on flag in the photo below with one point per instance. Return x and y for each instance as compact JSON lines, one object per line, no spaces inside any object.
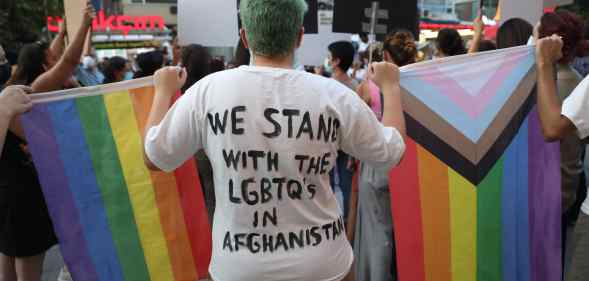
{"x":489,"y":247}
{"x":113,"y":187}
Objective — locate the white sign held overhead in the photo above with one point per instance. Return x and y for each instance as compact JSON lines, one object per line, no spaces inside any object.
{"x":211,"y":23}
{"x":314,"y":48}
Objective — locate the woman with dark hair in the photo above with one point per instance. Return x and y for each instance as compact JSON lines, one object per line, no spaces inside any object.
{"x":449,"y":43}
{"x":26,"y":231}
{"x":514,"y":32}
{"x":370,"y":223}
{"x":400,"y":48}
{"x":115,"y":70}
{"x":33,"y":60}
{"x":148,"y":63}
{"x":197,"y":61}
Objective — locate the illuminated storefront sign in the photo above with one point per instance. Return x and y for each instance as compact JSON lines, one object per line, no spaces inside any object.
{"x":122,"y":23}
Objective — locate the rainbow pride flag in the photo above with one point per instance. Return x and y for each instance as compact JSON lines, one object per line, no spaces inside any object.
{"x":477,"y":196}
{"x":115,"y":220}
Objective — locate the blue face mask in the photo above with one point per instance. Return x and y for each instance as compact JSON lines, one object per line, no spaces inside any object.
{"x":128,"y":75}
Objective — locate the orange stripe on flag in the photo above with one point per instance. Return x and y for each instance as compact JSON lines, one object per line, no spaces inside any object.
{"x":435,"y":205}
{"x":168,"y":200}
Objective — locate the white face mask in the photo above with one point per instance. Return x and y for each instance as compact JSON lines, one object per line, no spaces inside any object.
{"x":88,"y":62}
{"x":327,"y":66}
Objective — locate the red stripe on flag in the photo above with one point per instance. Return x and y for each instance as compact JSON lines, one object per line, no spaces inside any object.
{"x":406,"y":208}
{"x":195,"y":214}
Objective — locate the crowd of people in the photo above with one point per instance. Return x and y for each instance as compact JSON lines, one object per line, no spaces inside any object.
{"x":357,"y":89}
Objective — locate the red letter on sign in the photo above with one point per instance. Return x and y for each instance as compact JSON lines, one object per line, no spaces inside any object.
{"x":122,"y":24}
{"x":156,"y":19}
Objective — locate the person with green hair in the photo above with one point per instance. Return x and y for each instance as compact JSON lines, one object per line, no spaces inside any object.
{"x":272,"y":134}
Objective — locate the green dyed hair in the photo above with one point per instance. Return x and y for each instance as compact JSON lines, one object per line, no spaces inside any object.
{"x":272,"y":26}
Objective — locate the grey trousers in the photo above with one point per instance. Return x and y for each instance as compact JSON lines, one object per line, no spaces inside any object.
{"x":579,"y":270}
{"x":374,"y":245}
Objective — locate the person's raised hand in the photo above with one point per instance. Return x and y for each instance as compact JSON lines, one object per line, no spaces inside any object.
{"x":384,"y":74}
{"x":549,"y":50}
{"x":88,"y":13}
{"x":63,"y":26}
{"x":14,"y":100}
{"x":479,"y":25}
{"x":169,"y":80}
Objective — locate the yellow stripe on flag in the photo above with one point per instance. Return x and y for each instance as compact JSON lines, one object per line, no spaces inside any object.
{"x":139,"y":185}
{"x":463,"y":209}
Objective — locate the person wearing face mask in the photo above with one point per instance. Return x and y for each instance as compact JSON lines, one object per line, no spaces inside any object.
{"x":340,"y":59}
{"x":87,"y":73}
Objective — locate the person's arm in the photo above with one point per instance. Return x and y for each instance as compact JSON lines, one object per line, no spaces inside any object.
{"x":168,"y":81}
{"x":88,"y":45}
{"x":555,"y":126}
{"x":58,"y":44}
{"x":353,"y":208}
{"x":13,"y":101}
{"x":386,"y":77}
{"x":55,"y":77}
{"x":361,"y":134}
{"x":479,"y":28}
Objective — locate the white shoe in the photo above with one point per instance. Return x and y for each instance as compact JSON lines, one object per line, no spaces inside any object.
{"x":64,"y":275}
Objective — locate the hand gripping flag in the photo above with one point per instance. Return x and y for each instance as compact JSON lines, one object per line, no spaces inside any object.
{"x":115,"y":220}
{"x":477,"y":196}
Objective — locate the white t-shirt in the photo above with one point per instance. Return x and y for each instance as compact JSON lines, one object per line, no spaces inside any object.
{"x":576,"y":109}
{"x":272,"y":136}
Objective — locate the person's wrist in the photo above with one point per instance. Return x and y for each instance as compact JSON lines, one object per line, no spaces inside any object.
{"x":5,"y":112}
{"x":389,"y":86}
{"x":164,"y":92}
{"x":88,"y":22}
{"x":544,"y":63}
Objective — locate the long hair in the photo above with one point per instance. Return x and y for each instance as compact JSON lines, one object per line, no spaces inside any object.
{"x":401,"y":47}
{"x":197,"y":61}
{"x":113,"y":65}
{"x":149,"y":63}
{"x":32,"y":60}
{"x":514,"y":32}
{"x":450,"y":43}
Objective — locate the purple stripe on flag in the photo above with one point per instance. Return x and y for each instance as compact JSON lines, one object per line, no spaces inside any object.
{"x":43,"y":146}
{"x":545,"y":204}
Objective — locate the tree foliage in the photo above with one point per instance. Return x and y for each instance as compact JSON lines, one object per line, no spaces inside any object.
{"x":24,"y":21}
